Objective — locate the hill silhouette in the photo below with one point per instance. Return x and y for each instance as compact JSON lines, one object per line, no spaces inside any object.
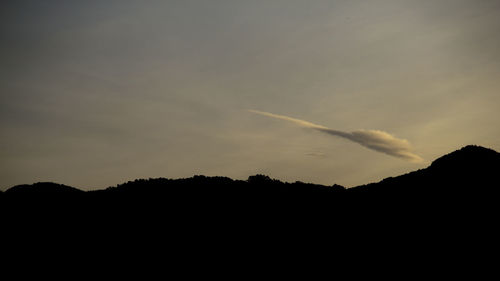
{"x":43,"y":189}
{"x":466,"y":177}
{"x":472,"y":169}
{"x":449,"y":207}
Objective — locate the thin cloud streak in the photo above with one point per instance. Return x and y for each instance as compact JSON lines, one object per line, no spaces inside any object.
{"x":373,"y":139}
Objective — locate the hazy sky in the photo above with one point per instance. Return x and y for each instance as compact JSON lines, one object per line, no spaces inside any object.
{"x":95,"y":93}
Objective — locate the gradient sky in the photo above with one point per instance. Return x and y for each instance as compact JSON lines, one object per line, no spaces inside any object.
{"x":95,"y":93}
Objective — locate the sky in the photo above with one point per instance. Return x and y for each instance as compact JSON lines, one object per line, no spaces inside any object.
{"x":96,"y":93}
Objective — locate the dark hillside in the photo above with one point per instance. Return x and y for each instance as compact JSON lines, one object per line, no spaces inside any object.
{"x":451,"y":206}
{"x":42,"y":189}
{"x":472,"y":169}
{"x":464,"y":179}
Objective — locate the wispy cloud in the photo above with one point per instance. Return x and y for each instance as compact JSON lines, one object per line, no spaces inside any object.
{"x":316,"y":154}
{"x":373,"y":139}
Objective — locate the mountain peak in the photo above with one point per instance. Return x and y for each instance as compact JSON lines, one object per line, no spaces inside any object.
{"x":470,"y":156}
{"x":43,"y":188}
{"x":472,"y":148}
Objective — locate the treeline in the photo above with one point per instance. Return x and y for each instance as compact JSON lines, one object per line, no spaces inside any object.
{"x":467,"y":177}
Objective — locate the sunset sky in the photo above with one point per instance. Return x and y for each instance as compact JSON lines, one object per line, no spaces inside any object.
{"x":96,"y":93}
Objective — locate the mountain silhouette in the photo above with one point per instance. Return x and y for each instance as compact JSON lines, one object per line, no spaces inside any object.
{"x":466,"y":177}
{"x":472,"y":169}
{"x":452,"y":206}
{"x":43,"y":189}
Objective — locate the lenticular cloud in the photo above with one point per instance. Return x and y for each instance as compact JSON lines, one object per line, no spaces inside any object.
{"x":373,"y":139}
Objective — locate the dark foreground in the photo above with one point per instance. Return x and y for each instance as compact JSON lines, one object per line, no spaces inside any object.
{"x":440,"y":219}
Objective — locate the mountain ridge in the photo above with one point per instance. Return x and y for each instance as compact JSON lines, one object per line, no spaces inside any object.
{"x":430,"y":200}
{"x":480,"y":160}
